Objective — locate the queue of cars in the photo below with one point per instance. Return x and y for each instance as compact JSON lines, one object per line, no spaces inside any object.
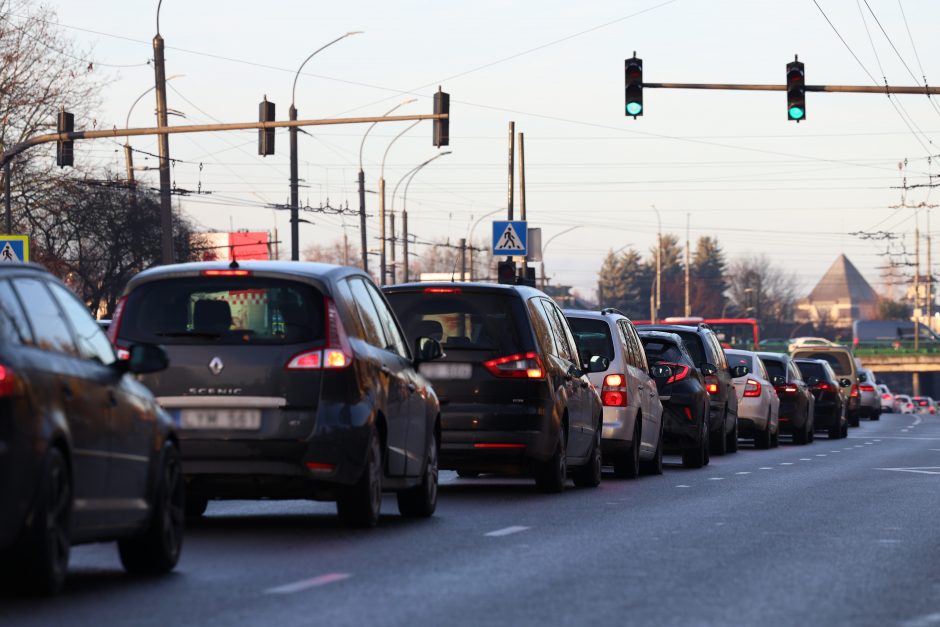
{"x":271,"y":380}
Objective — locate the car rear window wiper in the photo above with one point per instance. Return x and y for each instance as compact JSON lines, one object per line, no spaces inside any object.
{"x":203,"y":334}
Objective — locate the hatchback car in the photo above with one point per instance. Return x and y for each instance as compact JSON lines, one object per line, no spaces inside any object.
{"x":843,"y":364}
{"x":633,"y":425}
{"x":758,"y":405}
{"x":924,"y":405}
{"x":515,"y":396}
{"x":887,"y":398}
{"x":289,"y":381}
{"x":86,"y":454}
{"x":709,"y":358}
{"x":828,"y":395}
{"x":683,"y":395}
{"x":796,"y":399}
{"x":869,"y":401}
{"x":903,"y":404}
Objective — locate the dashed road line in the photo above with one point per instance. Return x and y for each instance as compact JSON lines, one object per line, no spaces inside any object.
{"x":806,"y":459}
{"x":506,"y":531}
{"x":715,"y":478}
{"x":766,"y":468}
{"x":786,"y":463}
{"x":820,"y":454}
{"x":305,"y":584}
{"x":747,"y":472}
{"x":683,"y":486}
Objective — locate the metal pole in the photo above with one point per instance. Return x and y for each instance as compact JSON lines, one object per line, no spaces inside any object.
{"x":916,"y":283}
{"x":404,"y":228}
{"x":6,"y":197}
{"x":362,"y":221}
{"x":166,"y":208}
{"x":522,"y":213}
{"x":463,"y":259}
{"x":659,"y":254}
{"x":382,"y":268}
{"x":129,"y":162}
{"x":859,"y":89}
{"x":393,"y":270}
{"x":929,"y":278}
{"x":688,"y":263}
{"x":294,"y":191}
{"x":512,"y":150}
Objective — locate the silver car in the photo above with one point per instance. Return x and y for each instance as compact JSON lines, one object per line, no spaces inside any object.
{"x":903,"y":404}
{"x":758,"y":404}
{"x":869,"y":400}
{"x":632,"y":436}
{"x":887,"y":398}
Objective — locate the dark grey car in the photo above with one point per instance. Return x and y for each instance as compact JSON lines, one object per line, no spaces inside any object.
{"x":289,"y":380}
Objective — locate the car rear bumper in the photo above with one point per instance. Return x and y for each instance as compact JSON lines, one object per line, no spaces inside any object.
{"x":495,"y":438}
{"x":679,"y":430}
{"x":826,"y":414}
{"x":619,"y":423}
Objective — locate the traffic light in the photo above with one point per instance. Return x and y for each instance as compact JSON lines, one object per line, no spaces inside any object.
{"x":265,"y":135}
{"x":441,"y":127}
{"x":633,"y":78}
{"x":796,"y":91}
{"x":65,"y":150}
{"x":506,"y":272}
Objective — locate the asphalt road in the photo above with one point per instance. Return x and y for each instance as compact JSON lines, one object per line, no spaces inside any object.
{"x":843,"y":532}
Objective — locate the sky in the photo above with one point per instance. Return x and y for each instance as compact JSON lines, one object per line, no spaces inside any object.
{"x":728,"y":163}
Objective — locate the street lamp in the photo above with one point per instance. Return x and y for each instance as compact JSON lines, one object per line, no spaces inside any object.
{"x":472,"y":229}
{"x":362,"y":187}
{"x":545,"y":246}
{"x":382,"y":268}
{"x":294,"y":192}
{"x":657,"y":301}
{"x":404,"y":213}
{"x":128,"y":155}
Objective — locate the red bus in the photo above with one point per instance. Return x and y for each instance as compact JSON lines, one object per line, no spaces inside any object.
{"x":732,"y":332}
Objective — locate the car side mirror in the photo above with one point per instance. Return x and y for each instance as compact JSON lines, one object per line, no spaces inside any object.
{"x":598,"y":363}
{"x":427,"y":349}
{"x":862,"y":377}
{"x":778,"y":379}
{"x":740,"y":371}
{"x":660,"y":371}
{"x":144,"y":359}
{"x":812,"y":381}
{"x":844,"y":382}
{"x":709,"y":369}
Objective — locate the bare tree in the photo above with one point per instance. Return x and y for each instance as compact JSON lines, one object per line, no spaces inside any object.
{"x":759,"y":289}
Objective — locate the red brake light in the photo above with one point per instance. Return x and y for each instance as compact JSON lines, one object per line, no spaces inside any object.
{"x":307,"y":360}
{"x":226,"y":273}
{"x":752,"y":388}
{"x":854,"y":391}
{"x":442,"y":290}
{"x":867,"y":388}
{"x":711,"y":384}
{"x":823,"y":386}
{"x":116,"y":320}
{"x":518,"y":366}
{"x":886,"y":396}
{"x":679,"y":372}
{"x":8,"y":382}
{"x":497,"y":445}
{"x":337,"y":353}
{"x":614,"y":391}
{"x":688,"y":412}
{"x":789,"y":388}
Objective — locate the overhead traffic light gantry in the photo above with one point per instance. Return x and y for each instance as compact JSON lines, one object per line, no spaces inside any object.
{"x":796,"y":91}
{"x":633,"y":80}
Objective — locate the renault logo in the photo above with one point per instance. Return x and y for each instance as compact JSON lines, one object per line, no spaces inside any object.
{"x":216,"y":365}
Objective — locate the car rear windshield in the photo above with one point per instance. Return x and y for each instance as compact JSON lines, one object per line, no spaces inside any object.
{"x":462,"y":320}
{"x":775,"y":367}
{"x":223,"y":310}
{"x":693,"y":344}
{"x":840,"y":361}
{"x":812,"y":370}
{"x":659,"y":351}
{"x":736,"y":359}
{"x":592,"y":337}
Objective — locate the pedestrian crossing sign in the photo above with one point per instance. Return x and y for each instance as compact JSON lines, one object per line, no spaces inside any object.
{"x":509,"y":237}
{"x":14,"y":248}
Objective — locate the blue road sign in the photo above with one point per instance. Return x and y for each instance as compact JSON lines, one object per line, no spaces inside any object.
{"x":509,"y":237}
{"x":14,"y":248}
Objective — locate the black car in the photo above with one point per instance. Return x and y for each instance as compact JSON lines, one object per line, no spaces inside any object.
{"x":796,"y":399}
{"x":709,"y":358}
{"x":288,"y":381}
{"x":515,"y":396}
{"x":683,"y":395}
{"x":86,"y":454}
{"x":828,"y":391}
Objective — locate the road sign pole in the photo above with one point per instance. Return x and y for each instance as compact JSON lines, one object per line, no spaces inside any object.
{"x":6,"y":197}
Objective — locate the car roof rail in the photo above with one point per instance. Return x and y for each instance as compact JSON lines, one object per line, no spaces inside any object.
{"x":612,"y":310}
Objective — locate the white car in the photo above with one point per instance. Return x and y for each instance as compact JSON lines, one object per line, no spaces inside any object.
{"x":903,"y":404}
{"x":758,"y":405}
{"x":887,"y":398}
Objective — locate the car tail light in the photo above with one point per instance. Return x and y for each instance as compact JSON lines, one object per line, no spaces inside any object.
{"x":886,"y":397}
{"x":867,"y":388}
{"x":518,"y":366}
{"x":751,"y":388}
{"x":335,"y":355}
{"x":8,"y":382}
{"x":688,"y":412}
{"x":497,"y":445}
{"x":789,"y":388}
{"x":711,"y":384}
{"x":614,"y":391}
{"x":226,"y":273}
{"x":442,"y":290}
{"x":122,"y":352}
{"x":679,"y":372}
{"x":822,"y":386}
{"x":320,"y":468}
{"x":854,"y":392}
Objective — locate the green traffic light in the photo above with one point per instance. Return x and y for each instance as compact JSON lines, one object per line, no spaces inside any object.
{"x":796,"y":113}
{"x":634,"y":108}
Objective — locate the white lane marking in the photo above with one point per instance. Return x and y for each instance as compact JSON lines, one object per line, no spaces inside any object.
{"x":766,"y":468}
{"x":917,"y":420}
{"x":935,"y":449}
{"x":305,"y":584}
{"x":918,"y":470}
{"x":897,"y":437}
{"x":877,"y":440}
{"x":747,"y":472}
{"x":715,"y":478}
{"x":858,"y":446}
{"x":903,"y":431}
{"x":928,"y":620}
{"x":820,"y":454}
{"x":683,"y":486}
{"x":786,"y":463}
{"x":506,"y":531}
{"x":806,"y":459}
{"x":835,"y":451}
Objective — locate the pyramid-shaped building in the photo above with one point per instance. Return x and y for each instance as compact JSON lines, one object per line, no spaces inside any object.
{"x":841,"y":296}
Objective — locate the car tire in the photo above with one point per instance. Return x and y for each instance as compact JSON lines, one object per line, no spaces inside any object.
{"x":811,"y":430}
{"x":732,"y":444}
{"x":157,"y":549}
{"x":845,"y":430}
{"x":775,"y":438}
{"x":467,"y":474}
{"x":764,"y":439}
{"x":697,"y":456}
{"x":835,"y":432}
{"x":801,"y":437}
{"x":42,"y":557}
{"x":589,"y":475}
{"x":551,"y":474}
{"x":875,"y":416}
{"x":719,"y":441}
{"x":421,"y":500}
{"x":655,"y":466}
{"x":627,"y":466}
{"x":195,"y":505}
{"x":360,"y":504}
{"x":854,"y":421}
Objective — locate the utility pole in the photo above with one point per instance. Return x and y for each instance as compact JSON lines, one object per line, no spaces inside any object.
{"x":129,"y":161}
{"x":522,"y":213}
{"x":512,"y":167}
{"x":362,"y":220}
{"x":929,"y":277}
{"x":294,"y":191}
{"x":688,"y":263}
{"x":404,"y":225}
{"x":463,"y":259}
{"x":657,"y":302}
{"x":916,"y":283}
{"x":393,"y":271}
{"x":8,"y":183}
{"x":166,"y":208}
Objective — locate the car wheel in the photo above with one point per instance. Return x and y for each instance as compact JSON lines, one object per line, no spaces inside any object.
{"x":43,"y":554}
{"x":719,"y":441}
{"x":802,"y":436}
{"x":589,"y":475}
{"x":732,"y":445}
{"x":421,"y":500}
{"x":627,"y":466}
{"x":845,"y":430}
{"x":811,"y":430}
{"x":764,"y":439}
{"x":157,"y":549}
{"x":359,"y":505}
{"x":196,"y":505}
{"x":467,"y":474}
{"x":697,"y":456}
{"x":655,"y":465}
{"x":875,"y":416}
{"x":853,"y":421}
{"x":552,"y":474}
{"x":835,"y":432}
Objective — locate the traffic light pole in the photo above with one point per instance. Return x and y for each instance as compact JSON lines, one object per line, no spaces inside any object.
{"x":166,"y":208}
{"x":860,"y":89}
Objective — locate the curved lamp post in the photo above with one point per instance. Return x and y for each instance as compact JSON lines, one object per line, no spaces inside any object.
{"x":382,"y":242}
{"x":128,"y":155}
{"x":404,"y":214}
{"x":545,"y":247}
{"x":473,"y":228}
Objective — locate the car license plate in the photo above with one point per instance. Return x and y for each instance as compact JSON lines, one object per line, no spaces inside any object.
{"x":446,"y":371}
{"x":242,"y":419}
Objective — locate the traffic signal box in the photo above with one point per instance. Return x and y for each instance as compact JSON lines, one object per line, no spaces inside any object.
{"x":796,"y":91}
{"x":441,"y":127}
{"x":265,"y":135}
{"x":633,"y":79}
{"x":65,"y":150}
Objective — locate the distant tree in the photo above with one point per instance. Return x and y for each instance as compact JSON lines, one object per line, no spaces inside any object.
{"x":624,"y":282}
{"x":342,"y":252}
{"x":708,"y":282}
{"x":672,"y":301}
{"x":893,"y":310}
{"x":444,"y":257}
{"x":760,"y":289}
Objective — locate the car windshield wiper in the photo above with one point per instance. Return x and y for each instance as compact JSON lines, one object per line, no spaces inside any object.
{"x":203,"y":334}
